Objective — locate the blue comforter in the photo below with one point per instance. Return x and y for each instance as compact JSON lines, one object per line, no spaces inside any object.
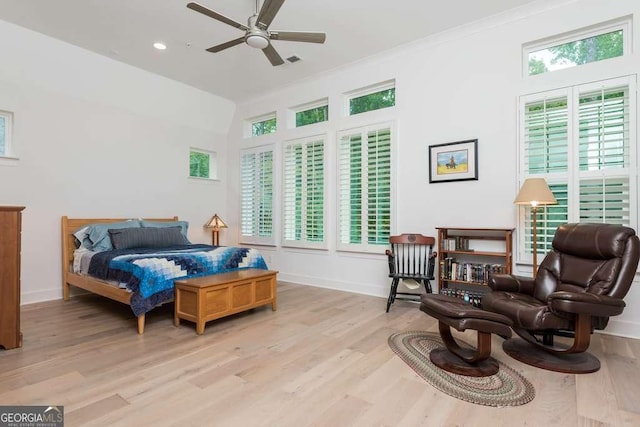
{"x":149,"y":273}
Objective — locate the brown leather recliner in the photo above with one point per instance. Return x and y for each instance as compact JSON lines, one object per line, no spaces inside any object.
{"x":579,"y":285}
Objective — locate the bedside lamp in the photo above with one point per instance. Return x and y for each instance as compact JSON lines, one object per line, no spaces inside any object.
{"x":535,"y":192}
{"x":215,"y":223}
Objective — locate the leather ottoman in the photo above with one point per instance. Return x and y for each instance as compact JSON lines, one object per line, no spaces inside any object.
{"x":455,"y":313}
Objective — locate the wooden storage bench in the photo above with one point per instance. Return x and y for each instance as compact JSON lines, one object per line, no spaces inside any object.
{"x":201,"y":299}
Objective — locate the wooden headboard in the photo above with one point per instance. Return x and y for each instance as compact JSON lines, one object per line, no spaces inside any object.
{"x":71,"y":225}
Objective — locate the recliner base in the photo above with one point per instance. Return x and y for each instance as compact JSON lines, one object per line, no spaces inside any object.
{"x":570,"y":363}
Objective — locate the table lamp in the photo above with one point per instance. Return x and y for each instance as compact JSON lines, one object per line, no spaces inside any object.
{"x":215,"y":223}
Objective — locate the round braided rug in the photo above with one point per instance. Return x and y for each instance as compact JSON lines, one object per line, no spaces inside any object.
{"x":506,"y":388}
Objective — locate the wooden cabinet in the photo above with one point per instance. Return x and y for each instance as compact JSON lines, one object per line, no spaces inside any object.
{"x":10,"y":229}
{"x":466,"y":256}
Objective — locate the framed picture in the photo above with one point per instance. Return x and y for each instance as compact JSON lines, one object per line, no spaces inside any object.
{"x":454,"y":161}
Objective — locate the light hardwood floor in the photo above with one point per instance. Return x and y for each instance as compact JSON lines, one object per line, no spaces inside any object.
{"x":321,"y":360}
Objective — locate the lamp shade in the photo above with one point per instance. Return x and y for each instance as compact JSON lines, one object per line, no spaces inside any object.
{"x":534,"y":192}
{"x":215,"y":222}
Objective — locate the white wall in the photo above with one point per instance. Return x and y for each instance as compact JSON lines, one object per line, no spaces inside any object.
{"x":459,"y":85}
{"x":97,"y":138}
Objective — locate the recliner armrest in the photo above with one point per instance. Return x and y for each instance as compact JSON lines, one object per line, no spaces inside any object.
{"x":585,"y":303}
{"x":511,"y":283}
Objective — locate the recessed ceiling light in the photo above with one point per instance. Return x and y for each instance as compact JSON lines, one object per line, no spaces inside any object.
{"x":160,"y":45}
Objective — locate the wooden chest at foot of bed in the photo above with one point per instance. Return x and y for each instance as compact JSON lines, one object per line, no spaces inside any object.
{"x":201,"y":299}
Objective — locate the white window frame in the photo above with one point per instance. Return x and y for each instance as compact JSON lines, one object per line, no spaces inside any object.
{"x":573,"y":176}
{"x":9,"y":156}
{"x":623,"y":24}
{"x":367,"y":90}
{"x":248,"y":124}
{"x":213,"y":164}
{"x":366,"y":247}
{"x":293,"y":111}
{"x":256,"y":238}
{"x":288,"y":186}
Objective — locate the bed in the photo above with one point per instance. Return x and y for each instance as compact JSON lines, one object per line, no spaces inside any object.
{"x":130,"y":275}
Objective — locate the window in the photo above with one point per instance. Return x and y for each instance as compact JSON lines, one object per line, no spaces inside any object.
{"x":256,"y":198}
{"x":579,"y":140}
{"x":364,"y":188}
{"x":263,"y":125}
{"x":578,"y":48}
{"x":5,"y":134}
{"x":202,"y":164}
{"x":310,"y":114}
{"x":374,"y":98}
{"x":303,"y":203}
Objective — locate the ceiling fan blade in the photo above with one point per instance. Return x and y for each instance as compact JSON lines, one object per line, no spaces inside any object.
{"x":215,"y":15}
{"x":226,"y":45}
{"x":298,"y":36}
{"x":268,"y":11}
{"x":273,"y":56}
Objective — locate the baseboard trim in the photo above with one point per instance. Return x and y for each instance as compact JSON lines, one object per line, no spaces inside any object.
{"x":338,"y":285}
{"x":40,"y":296}
{"x":622,"y":328}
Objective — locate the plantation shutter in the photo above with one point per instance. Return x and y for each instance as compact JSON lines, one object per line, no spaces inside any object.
{"x":256,"y":176}
{"x":364,"y":188}
{"x":315,"y":192}
{"x":303,"y":199}
{"x":580,"y":141}
{"x":546,"y":147}
{"x":603,"y":129}
{"x":379,"y":186}
{"x":604,"y":155}
{"x":350,"y":189}
{"x":545,"y":136}
{"x":605,"y":200}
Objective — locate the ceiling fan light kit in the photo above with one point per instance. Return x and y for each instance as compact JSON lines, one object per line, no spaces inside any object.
{"x":257,"y":34}
{"x":257,"y":40}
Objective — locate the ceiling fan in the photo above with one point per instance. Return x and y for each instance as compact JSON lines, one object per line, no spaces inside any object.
{"x":257,"y":33}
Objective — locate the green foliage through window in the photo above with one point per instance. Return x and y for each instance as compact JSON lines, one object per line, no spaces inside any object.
{"x":199,"y":164}
{"x":373,"y":101}
{"x":263,"y":127}
{"x":313,"y":115}
{"x":578,"y":52}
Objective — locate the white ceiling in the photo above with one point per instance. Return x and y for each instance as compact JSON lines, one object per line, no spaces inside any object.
{"x":126,"y":29}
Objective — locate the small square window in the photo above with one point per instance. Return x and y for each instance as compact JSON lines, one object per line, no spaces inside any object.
{"x":202,"y":164}
{"x":5,"y":134}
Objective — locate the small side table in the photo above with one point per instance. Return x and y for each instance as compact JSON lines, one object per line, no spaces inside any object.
{"x":453,"y":312}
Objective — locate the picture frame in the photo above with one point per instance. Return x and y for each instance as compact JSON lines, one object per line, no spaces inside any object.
{"x":453,"y":161}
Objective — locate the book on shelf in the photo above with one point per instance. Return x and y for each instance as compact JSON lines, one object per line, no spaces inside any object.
{"x":457,"y":243}
{"x":451,"y":269}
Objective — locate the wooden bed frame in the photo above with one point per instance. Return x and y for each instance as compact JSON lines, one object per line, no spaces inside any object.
{"x":96,"y":286}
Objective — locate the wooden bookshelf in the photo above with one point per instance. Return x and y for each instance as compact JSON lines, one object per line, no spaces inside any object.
{"x":467,"y":256}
